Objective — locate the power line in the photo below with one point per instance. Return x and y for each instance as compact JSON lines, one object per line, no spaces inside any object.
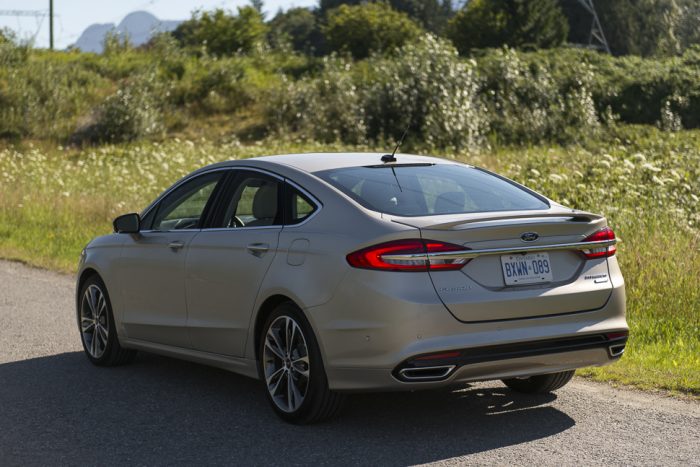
{"x":38,"y":14}
{"x":34,"y":13}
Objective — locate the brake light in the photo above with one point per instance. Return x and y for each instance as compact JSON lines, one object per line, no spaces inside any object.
{"x":378,"y":256}
{"x":600,"y":252}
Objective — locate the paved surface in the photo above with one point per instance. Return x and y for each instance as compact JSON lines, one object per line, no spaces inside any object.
{"x":56,"y":408}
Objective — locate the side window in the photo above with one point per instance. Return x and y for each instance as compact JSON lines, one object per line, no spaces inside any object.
{"x":184,"y":207}
{"x":300,"y":206}
{"x":254,"y":202}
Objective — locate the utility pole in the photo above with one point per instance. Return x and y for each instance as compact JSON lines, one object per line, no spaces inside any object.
{"x":596,"y":37}
{"x":51,"y":24}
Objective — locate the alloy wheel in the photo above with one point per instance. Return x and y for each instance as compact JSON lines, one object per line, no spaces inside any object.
{"x":94,"y":321}
{"x":286,"y":364}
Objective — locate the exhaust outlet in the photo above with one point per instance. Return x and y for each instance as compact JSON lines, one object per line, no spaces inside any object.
{"x":428,"y":373}
{"x":616,"y":350}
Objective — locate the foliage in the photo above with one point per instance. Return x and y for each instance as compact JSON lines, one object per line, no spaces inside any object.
{"x":516,"y":23}
{"x":221,"y":33}
{"x":527,"y":102}
{"x":640,"y":27}
{"x":425,"y":88}
{"x":297,"y":27}
{"x":133,"y":112}
{"x":115,"y":43}
{"x":363,"y":29}
{"x":432,"y":15}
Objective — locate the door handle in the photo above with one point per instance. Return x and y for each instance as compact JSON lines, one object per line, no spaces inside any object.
{"x":258,"y":249}
{"x":175,"y":245}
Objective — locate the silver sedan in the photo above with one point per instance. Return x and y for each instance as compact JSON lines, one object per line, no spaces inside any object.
{"x":324,"y":274}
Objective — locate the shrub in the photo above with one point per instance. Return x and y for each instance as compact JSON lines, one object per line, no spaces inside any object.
{"x":43,"y":98}
{"x":372,"y":27}
{"x":131,"y":113}
{"x":328,"y":108}
{"x":528,"y":102}
{"x":425,"y":88}
{"x":221,"y":33}
{"x":428,"y":90}
{"x":516,"y":23}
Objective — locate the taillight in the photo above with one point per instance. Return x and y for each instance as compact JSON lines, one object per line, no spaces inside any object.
{"x":600,"y":252}
{"x":379,"y":256}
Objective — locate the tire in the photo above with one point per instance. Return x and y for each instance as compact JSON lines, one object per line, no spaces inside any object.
{"x":93,"y":299}
{"x":540,"y":384}
{"x":302,"y":365}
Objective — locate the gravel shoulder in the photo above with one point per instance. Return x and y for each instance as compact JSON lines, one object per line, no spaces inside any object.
{"x":56,"y":408}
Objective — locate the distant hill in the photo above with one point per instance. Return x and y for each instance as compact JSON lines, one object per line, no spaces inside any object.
{"x":138,"y":25}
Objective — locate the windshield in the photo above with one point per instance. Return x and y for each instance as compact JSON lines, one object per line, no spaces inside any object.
{"x":430,"y":189}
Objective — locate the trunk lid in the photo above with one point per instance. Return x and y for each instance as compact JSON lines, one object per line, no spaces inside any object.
{"x":479,"y":292}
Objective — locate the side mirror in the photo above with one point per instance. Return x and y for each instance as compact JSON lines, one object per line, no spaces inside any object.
{"x":128,"y":223}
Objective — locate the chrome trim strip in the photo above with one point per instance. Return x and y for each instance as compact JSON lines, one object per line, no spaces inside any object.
{"x":448,"y":369}
{"x":501,"y":251}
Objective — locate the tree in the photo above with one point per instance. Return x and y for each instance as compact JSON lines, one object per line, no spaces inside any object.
{"x":297,"y":27}
{"x":516,"y":23}
{"x":433,"y":15}
{"x":430,"y":14}
{"x":222,"y":33}
{"x":637,"y":27}
{"x":371,"y":27}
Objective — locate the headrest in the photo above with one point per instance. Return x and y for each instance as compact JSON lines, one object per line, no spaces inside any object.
{"x":265,"y":202}
{"x":450,"y":202}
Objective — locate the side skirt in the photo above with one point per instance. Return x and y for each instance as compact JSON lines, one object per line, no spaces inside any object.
{"x":242,"y":366}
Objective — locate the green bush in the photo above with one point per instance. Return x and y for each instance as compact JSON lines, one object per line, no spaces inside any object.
{"x":428,"y":90}
{"x":425,"y":88}
{"x":44,"y":98}
{"x":131,"y":113}
{"x":327,"y":108}
{"x":372,"y":27}
{"x":528,"y":102}
{"x":221,"y":33}
{"x":515,"y":23}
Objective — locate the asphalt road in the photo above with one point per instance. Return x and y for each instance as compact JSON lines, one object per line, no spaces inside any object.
{"x":58,"y":409}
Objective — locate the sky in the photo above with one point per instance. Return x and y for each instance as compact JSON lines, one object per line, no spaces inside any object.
{"x":73,"y":16}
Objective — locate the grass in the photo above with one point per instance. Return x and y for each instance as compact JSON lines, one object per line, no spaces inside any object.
{"x":53,"y":200}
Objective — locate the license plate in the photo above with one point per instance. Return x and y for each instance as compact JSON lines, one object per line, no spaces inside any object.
{"x":526,"y":269}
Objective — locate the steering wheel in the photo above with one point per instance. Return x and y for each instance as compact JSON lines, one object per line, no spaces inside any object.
{"x":186,"y":223}
{"x":237,"y":222}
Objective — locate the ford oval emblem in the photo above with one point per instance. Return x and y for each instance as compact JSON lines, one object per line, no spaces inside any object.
{"x":529,"y":236}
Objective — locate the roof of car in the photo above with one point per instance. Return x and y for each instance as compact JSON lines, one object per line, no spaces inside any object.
{"x":315,"y":162}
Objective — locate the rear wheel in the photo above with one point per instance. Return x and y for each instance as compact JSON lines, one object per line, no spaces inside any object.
{"x":292,"y":369}
{"x":98,"y":332}
{"x":541,"y":383}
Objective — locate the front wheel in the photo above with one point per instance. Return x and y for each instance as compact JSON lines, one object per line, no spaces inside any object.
{"x":97,"y":329}
{"x":292,"y":369}
{"x":540,"y":384}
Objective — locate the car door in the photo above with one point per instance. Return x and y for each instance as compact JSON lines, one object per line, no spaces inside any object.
{"x":227,"y":262}
{"x":152,"y":264}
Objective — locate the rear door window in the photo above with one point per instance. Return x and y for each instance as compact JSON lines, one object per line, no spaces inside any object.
{"x":431,"y":189}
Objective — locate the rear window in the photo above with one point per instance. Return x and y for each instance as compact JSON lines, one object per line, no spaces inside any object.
{"x":424,"y":190}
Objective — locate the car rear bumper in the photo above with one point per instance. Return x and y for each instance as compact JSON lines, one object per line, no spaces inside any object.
{"x":364,"y":379}
{"x":367,"y":352}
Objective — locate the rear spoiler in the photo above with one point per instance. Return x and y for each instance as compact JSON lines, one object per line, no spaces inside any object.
{"x":572,"y":215}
